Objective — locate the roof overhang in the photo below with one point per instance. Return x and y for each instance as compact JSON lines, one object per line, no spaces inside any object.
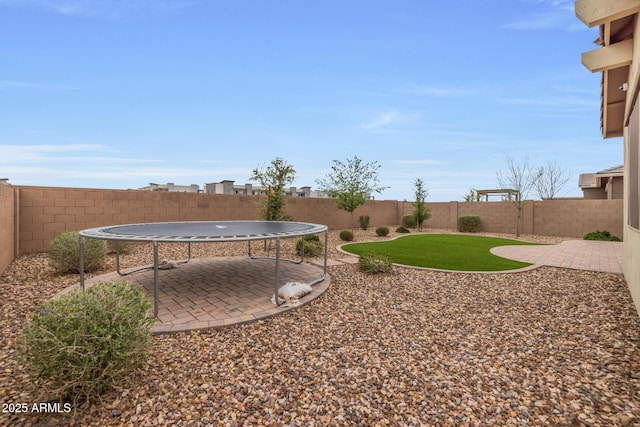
{"x":617,"y":20}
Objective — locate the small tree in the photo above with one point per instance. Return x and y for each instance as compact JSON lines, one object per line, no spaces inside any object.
{"x":421,"y":211}
{"x":273,"y":178}
{"x":552,"y":178}
{"x":472,"y":196}
{"x":350,"y":184}
{"x":522,"y":178}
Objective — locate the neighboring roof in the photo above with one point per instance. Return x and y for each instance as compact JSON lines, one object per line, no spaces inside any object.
{"x":614,"y":171}
{"x":592,"y":180}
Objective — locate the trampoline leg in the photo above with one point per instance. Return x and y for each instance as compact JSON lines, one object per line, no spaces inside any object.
{"x":326,"y":244}
{"x":81,"y":250}
{"x":118,"y":257}
{"x":277,"y":298}
{"x":155,"y":278}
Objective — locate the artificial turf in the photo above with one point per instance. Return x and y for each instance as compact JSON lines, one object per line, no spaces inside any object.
{"x":443,"y":251}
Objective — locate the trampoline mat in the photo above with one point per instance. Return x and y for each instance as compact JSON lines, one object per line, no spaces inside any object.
{"x":204,"y":230}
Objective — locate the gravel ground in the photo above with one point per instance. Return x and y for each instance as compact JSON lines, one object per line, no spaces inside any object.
{"x":544,"y":347}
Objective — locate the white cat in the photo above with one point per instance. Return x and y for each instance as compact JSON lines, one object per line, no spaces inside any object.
{"x":291,"y":292}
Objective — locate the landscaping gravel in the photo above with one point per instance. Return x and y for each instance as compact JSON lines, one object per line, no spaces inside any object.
{"x":548,"y":346}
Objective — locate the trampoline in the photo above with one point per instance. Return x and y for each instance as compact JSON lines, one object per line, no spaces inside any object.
{"x":203,"y":232}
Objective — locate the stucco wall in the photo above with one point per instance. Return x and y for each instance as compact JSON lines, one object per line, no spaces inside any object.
{"x":631,"y":266}
{"x":617,"y":190}
{"x":7,"y":225}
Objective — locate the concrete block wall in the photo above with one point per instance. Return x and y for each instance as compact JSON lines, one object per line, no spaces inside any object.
{"x":324,"y":211}
{"x":496,"y":217}
{"x":46,"y":212}
{"x":8,"y":240}
{"x":36,"y":215}
{"x":560,"y":217}
{"x":576,"y":217}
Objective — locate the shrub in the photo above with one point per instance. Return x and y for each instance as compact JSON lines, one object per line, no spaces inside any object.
{"x":402,"y":230}
{"x":409,"y":221}
{"x":79,"y":345}
{"x":382,"y":231}
{"x":64,"y":253}
{"x":346,"y":235}
{"x":468,"y":223}
{"x":312,"y":245}
{"x":374,"y":263}
{"x":601,"y":235}
{"x":364,"y":221}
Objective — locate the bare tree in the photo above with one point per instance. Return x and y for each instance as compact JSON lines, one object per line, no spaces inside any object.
{"x":521,"y":177}
{"x":552,"y":178}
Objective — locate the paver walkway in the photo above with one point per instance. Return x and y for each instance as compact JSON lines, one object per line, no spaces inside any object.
{"x":590,"y":255}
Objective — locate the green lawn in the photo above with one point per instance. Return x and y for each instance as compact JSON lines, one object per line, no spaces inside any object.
{"x":443,"y":251}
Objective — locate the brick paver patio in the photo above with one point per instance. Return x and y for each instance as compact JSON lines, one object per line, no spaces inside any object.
{"x":216,"y":292}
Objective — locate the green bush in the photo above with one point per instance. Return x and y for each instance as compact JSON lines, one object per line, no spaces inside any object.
{"x":312,"y":245}
{"x":601,"y":235}
{"x":382,"y":231}
{"x":364,"y":221}
{"x":64,"y":253}
{"x":346,"y":235}
{"x":409,"y":221}
{"x":374,"y":263}
{"x":83,"y":343}
{"x":468,"y":223}
{"x":402,"y":229}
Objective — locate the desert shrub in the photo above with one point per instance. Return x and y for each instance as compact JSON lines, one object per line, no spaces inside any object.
{"x":81,"y":344}
{"x":64,"y":253}
{"x":601,"y":235}
{"x":375,"y":263}
{"x":468,"y":223}
{"x":382,"y":231}
{"x":311,"y":244}
{"x":364,"y":221}
{"x":409,"y":221}
{"x":124,"y":247}
{"x":346,"y":235}
{"x":402,"y":229}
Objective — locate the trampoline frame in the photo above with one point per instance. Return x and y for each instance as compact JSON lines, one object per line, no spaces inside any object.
{"x":102,"y":233}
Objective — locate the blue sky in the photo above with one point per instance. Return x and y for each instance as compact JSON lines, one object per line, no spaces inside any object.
{"x":120,"y":93}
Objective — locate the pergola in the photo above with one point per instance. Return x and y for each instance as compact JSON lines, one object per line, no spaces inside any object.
{"x":503,"y":193}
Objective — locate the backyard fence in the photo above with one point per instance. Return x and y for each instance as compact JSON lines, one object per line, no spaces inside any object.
{"x":31,"y":217}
